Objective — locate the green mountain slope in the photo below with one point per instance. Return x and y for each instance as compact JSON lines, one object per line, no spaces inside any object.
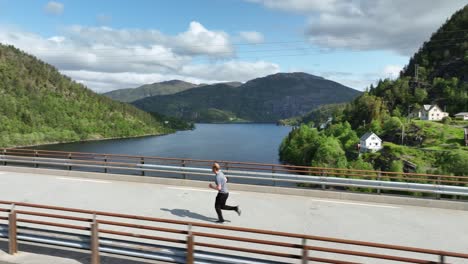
{"x":441,"y":67}
{"x":147,"y":90}
{"x":266,"y":99}
{"x":446,"y":53}
{"x":431,"y":147}
{"x":39,"y":105}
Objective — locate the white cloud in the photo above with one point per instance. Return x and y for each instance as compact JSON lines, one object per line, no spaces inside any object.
{"x":105,"y":58}
{"x":392,"y":71}
{"x":252,"y":37}
{"x":54,"y":8}
{"x":70,"y":53}
{"x":198,"y":73}
{"x":232,"y":70}
{"x":198,"y":40}
{"x":399,"y":25}
{"x":299,"y":6}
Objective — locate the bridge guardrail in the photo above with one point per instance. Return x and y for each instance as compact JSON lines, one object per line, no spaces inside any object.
{"x":249,"y":166}
{"x":439,"y":188}
{"x":191,"y":242}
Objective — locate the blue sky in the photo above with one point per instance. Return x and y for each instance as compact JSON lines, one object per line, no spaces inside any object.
{"x":117,"y":44}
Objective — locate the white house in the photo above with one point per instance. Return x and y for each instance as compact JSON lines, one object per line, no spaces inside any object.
{"x":370,"y":142}
{"x":327,"y":123}
{"x":462,"y":116}
{"x":429,"y":112}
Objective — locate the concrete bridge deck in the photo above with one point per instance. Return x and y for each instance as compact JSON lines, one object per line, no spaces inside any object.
{"x":413,"y":226}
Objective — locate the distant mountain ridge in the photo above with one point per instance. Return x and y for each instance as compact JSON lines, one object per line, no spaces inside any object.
{"x":160,"y":88}
{"x":265,"y":99}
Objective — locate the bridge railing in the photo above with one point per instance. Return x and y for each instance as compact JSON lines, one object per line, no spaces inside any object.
{"x":191,"y":242}
{"x":243,"y":171}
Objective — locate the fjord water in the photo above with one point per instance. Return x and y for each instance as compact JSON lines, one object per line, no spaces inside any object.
{"x":230,"y":142}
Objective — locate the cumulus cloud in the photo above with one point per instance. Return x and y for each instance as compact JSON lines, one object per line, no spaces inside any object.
{"x":252,"y":37}
{"x":105,"y":58}
{"x":398,"y":25}
{"x":198,"y":40}
{"x":194,"y":73}
{"x":54,"y":8}
{"x":232,"y":70}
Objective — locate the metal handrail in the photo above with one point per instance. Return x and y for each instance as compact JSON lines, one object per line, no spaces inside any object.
{"x":252,"y":165}
{"x":441,"y":186}
{"x":277,"y":239}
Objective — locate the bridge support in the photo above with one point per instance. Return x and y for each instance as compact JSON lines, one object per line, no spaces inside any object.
{"x":12,"y":232}
{"x":95,"y":242}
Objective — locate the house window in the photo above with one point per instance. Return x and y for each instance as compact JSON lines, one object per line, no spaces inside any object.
{"x":373,"y":138}
{"x":376,"y":144}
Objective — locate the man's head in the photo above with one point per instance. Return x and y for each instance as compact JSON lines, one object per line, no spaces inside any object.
{"x":215,"y":168}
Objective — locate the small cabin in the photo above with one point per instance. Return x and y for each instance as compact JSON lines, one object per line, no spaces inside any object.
{"x":462,"y":116}
{"x":370,"y":142}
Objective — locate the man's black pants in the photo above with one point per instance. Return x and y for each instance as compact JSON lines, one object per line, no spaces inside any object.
{"x":220,"y":204}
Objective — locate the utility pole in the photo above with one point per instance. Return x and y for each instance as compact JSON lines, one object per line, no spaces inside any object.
{"x":416,"y":66}
{"x":402,"y":133}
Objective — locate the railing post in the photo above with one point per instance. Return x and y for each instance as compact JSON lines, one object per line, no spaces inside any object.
{"x":36,"y":155}
{"x":323,"y":174}
{"x":12,"y":232}
{"x":183,"y":165}
{"x":142,"y":169}
{"x":4,"y":156}
{"x":438,"y":183}
{"x":441,"y":259}
{"x":69,"y":157}
{"x":305,"y":252}
{"x":105,"y":164}
{"x":379,"y":176}
{"x":95,"y":241}
{"x":273,"y":171}
{"x":190,"y":247}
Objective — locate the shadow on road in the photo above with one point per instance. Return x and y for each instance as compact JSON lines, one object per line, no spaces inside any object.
{"x":189,"y":214}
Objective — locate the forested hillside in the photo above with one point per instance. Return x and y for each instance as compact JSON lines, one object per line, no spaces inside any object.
{"x":40,"y":105}
{"x":436,"y":74}
{"x":266,"y":99}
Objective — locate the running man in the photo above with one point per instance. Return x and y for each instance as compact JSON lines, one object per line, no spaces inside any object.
{"x":223,"y":194}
